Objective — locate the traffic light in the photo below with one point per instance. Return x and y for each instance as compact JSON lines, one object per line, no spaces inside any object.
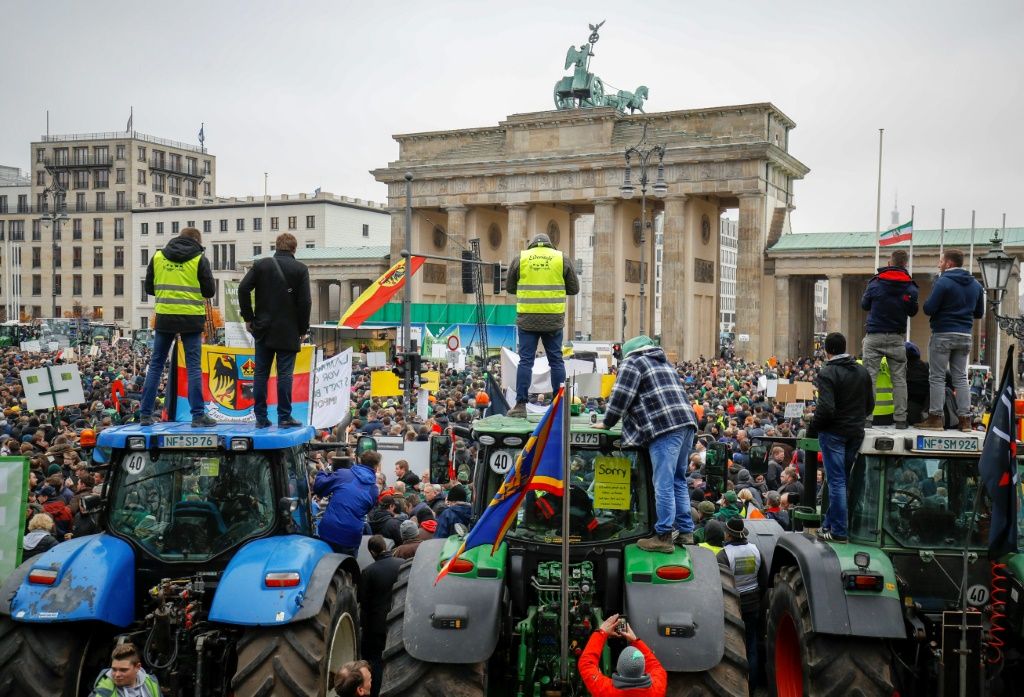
{"x":500,"y":272}
{"x":617,"y":351}
{"x":403,"y":369}
{"x":468,"y":273}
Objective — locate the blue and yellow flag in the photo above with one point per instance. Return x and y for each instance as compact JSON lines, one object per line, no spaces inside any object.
{"x":539,"y":467}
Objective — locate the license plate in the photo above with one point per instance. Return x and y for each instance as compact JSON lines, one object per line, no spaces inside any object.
{"x":198,"y":440}
{"x":585,"y":439}
{"x":947,"y":444}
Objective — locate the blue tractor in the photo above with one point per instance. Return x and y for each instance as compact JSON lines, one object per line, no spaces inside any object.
{"x":206,"y":562}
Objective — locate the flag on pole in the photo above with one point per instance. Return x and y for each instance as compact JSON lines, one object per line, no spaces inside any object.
{"x":379,"y":292}
{"x":131,"y":117}
{"x":998,"y":467}
{"x":902,"y":233}
{"x":202,"y":133}
{"x":537,"y":468}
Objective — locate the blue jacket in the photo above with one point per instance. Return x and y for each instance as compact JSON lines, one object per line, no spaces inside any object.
{"x":455,"y":513}
{"x":891,"y":297}
{"x":957,"y":299}
{"x":353,"y":493}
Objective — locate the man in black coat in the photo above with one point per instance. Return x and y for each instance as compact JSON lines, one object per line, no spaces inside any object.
{"x":846,"y":397}
{"x":281,"y":318}
{"x":375,"y":584}
{"x":917,"y":384}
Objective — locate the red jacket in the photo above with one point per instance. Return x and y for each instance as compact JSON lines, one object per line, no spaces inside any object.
{"x":600,"y":685}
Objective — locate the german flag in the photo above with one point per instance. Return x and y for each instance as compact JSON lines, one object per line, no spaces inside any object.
{"x":379,"y":292}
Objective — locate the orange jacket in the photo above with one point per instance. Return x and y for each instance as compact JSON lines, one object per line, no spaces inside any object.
{"x":600,"y":685}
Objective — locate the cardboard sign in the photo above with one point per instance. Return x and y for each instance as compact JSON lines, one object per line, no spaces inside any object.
{"x":53,"y":386}
{"x":795,"y":392}
{"x":611,"y":483}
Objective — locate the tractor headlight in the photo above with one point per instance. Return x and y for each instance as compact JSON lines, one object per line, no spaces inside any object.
{"x":240,"y":444}
{"x":513,"y":441}
{"x":136,"y":442}
{"x":486,"y":440}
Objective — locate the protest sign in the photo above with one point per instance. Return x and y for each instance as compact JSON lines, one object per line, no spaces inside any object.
{"x":31,"y":346}
{"x":53,"y":386}
{"x":331,"y":390}
{"x":13,"y":501}
{"x":235,"y":333}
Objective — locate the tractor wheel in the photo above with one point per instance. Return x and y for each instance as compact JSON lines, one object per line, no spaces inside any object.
{"x":49,"y":660}
{"x":297,"y":660}
{"x":408,"y":677}
{"x":729,"y":677}
{"x":801,"y":662}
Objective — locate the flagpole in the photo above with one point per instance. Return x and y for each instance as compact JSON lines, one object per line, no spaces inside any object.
{"x":265,"y":228}
{"x":942,"y":234}
{"x":566,"y":427}
{"x":970,"y":267}
{"x":878,"y":199}
{"x":911,"y":269}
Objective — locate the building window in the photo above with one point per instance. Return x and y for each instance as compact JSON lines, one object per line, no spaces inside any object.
{"x":207,"y":226}
{"x":23,"y":203}
{"x":257,"y":224}
{"x":142,"y":154}
{"x":144,"y":229}
{"x":41,"y":178}
{"x":158,"y":201}
{"x":118,"y":228}
{"x":142,"y":199}
{"x":175,"y":227}
{"x":366,"y":230}
{"x":37,"y":230}
{"x":274,"y":224}
{"x":40,"y":154}
{"x":257,"y":250}
{"x":118,"y":284}
{"x":101,"y":201}
{"x":174,"y":186}
{"x":57,"y":260}
{"x":311,"y":245}
{"x":240,"y":225}
{"x":206,"y":166}
{"x":158,"y":182}
{"x":143,"y":296}
{"x":97,"y":284}
{"x":97,"y":257}
{"x":57,"y":287}
{"x":142,"y":177}
{"x":81,"y":179}
{"x":206,"y":188}
{"x":159,"y":228}
{"x":37,"y":284}
{"x":190,"y":188}
{"x":37,"y":257}
{"x":118,"y":257}
{"x":292,"y":224}
{"x":144,"y":256}
{"x":76,"y":257}
{"x":101,"y":180}
{"x":17,"y":230}
{"x":76,"y":284}
{"x":120,"y":175}
{"x":76,"y":228}
{"x":97,"y":228}
{"x":122,"y":200}
{"x":119,"y":312}
{"x":223,"y":224}
{"x":3,"y":204}
{"x":120,"y":152}
{"x":310,"y":222}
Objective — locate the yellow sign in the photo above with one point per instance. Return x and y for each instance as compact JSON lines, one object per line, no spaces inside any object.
{"x":431,"y":381}
{"x":607,"y":381}
{"x":611,"y":483}
{"x":384,"y":383}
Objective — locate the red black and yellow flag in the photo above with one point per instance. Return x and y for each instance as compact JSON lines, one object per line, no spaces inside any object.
{"x":378,"y":293}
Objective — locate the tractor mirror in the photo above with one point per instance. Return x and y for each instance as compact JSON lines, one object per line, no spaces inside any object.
{"x":364,"y":444}
{"x":440,"y":448}
{"x":758,"y":460}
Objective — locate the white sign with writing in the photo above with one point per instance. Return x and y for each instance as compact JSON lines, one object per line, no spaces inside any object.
{"x":53,"y":386}
{"x":376,"y":359}
{"x":794,"y":410}
{"x":31,"y":346}
{"x":743,"y":337}
{"x":332,"y":390}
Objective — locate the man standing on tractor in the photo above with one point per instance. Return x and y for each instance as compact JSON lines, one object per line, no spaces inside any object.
{"x":540,"y":278}
{"x":656,"y":414}
{"x":890,"y":298}
{"x":638,"y":673}
{"x":846,"y":397}
{"x":126,"y":676}
{"x":180,"y":277}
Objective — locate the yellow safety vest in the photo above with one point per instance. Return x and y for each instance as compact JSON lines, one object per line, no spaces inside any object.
{"x":176,"y":286}
{"x":708,"y":545}
{"x":884,"y":404}
{"x":541,"y":289}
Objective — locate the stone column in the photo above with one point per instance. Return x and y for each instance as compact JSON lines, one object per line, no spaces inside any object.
{"x":834,"y":319}
{"x":784,"y":334}
{"x":397,"y":232}
{"x":749,"y":274}
{"x":607,"y":315}
{"x":675,"y":274}
{"x":322,"y":303}
{"x":457,"y":234}
{"x":314,"y":295}
{"x":517,"y":215}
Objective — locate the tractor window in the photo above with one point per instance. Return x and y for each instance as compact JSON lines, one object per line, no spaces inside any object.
{"x":608,"y":499}
{"x":191,"y":506}
{"x":863,"y":488}
{"x":929,"y":502}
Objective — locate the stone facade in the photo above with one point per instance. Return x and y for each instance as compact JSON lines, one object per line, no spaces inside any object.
{"x":536,"y":172}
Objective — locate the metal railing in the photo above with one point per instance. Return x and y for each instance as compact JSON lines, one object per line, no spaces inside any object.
{"x":79,"y":161}
{"x":164,"y":166}
{"x":120,"y":135}
{"x":68,"y":208}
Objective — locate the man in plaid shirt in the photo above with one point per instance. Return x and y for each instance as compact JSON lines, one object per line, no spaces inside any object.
{"x":656,"y":414}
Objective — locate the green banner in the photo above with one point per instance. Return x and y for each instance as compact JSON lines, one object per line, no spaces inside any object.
{"x":13,"y":504}
{"x":232,"y":313}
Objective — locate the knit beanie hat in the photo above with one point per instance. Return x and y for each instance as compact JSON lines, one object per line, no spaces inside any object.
{"x":630,"y":670}
{"x":636,"y":343}
{"x":409,"y":530}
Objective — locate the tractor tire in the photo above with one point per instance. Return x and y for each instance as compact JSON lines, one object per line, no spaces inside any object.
{"x":801,"y":662}
{"x":49,"y":660}
{"x":407,"y":677}
{"x":298,"y":659}
{"x":729,"y":677}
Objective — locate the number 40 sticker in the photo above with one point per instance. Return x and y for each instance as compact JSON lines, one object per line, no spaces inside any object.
{"x":977,"y":595}
{"x":501,"y":461}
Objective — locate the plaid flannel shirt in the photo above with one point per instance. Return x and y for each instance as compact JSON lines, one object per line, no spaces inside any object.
{"x":649,"y":398}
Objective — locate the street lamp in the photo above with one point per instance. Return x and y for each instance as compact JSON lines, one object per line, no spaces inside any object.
{"x":996,"y":267}
{"x":55,"y":214}
{"x":627,"y":191}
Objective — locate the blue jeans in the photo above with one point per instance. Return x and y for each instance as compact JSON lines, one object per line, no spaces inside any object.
{"x":670,"y":454}
{"x":528,"y":350}
{"x":162,"y":344}
{"x":838,"y":454}
{"x":285,"y":367}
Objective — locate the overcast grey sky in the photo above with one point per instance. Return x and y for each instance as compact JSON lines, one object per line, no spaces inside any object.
{"x":312,"y":91}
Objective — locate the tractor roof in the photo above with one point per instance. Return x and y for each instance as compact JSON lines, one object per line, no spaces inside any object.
{"x":520,"y":426}
{"x":271,"y":438}
{"x":886,"y":440}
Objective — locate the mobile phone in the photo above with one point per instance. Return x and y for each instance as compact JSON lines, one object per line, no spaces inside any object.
{"x":620,"y":626}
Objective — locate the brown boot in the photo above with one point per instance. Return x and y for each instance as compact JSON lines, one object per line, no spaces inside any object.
{"x":965,"y":424}
{"x":657,"y":543}
{"x":932,"y":423}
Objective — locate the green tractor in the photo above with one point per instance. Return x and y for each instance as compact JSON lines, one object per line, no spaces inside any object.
{"x":492,"y":626}
{"x":912,"y":604}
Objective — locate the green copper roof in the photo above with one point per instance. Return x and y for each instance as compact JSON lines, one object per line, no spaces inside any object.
{"x":326,"y":253}
{"x":957,"y":237}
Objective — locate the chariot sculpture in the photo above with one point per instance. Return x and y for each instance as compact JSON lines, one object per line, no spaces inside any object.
{"x":583,"y":89}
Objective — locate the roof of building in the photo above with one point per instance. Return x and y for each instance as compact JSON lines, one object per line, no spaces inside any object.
{"x":331,"y":253}
{"x":956,"y":237}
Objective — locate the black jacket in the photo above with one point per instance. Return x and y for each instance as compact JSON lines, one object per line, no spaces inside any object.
{"x":891,"y":297}
{"x":384,"y":522}
{"x":375,"y":584}
{"x":184,"y":249}
{"x":282,"y":310}
{"x":845,"y":398}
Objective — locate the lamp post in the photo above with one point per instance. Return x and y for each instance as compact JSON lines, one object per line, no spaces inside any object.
{"x":55,"y":214}
{"x":660,"y":189}
{"x":996,"y":267}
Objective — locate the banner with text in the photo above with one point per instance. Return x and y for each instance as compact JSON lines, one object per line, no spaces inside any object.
{"x":332,"y":390}
{"x":13,"y":501}
{"x":234,"y":326}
